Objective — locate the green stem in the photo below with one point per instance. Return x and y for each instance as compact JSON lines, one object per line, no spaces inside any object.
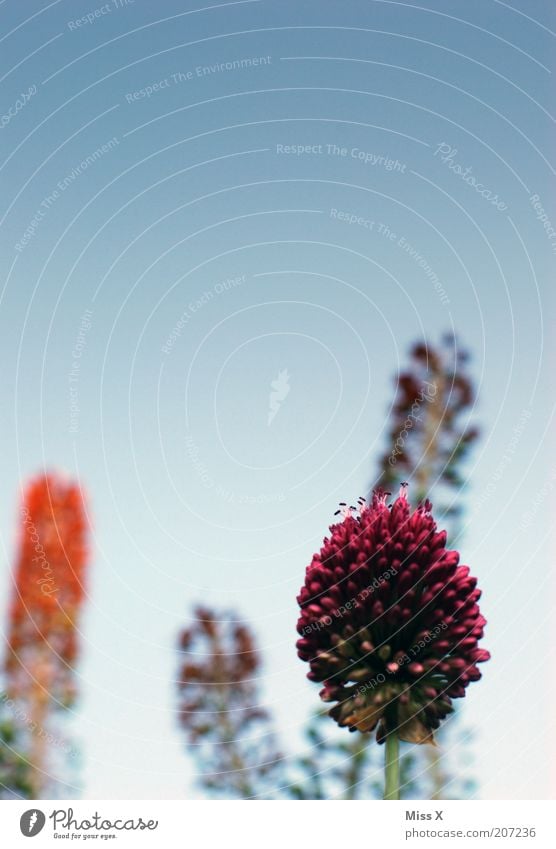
{"x":392,"y":767}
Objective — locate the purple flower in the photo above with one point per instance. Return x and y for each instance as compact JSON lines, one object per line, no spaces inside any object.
{"x":389,"y":620}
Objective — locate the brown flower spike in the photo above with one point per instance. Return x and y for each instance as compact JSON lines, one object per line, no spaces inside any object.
{"x":389,"y":620}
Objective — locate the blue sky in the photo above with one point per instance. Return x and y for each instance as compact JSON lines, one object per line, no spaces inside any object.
{"x":179,"y":171}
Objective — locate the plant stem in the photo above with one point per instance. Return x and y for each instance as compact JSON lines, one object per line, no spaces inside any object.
{"x":392,"y":767}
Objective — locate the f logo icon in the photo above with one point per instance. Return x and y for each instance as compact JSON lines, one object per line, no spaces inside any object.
{"x":32,"y":822}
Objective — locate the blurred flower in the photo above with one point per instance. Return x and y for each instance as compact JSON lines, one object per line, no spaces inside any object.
{"x":389,"y":621}
{"x":48,"y":592}
{"x":48,"y":586}
{"x":229,"y":732}
{"x":429,"y":433}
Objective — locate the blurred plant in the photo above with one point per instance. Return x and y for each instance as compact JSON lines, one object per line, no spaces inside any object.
{"x":330,"y":767}
{"x":336,"y":767}
{"x":430,"y":437}
{"x":229,"y":732}
{"x":14,"y":769}
{"x":47,"y":596}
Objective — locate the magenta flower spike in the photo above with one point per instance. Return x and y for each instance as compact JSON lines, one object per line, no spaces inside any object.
{"x":389,"y":621}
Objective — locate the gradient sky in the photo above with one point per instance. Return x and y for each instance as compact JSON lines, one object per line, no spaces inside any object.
{"x":192,"y":495}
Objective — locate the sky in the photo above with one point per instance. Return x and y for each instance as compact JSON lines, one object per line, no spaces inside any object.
{"x":201,"y":200}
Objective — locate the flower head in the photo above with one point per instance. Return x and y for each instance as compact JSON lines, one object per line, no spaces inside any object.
{"x":389,"y":620}
{"x":48,"y":588}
